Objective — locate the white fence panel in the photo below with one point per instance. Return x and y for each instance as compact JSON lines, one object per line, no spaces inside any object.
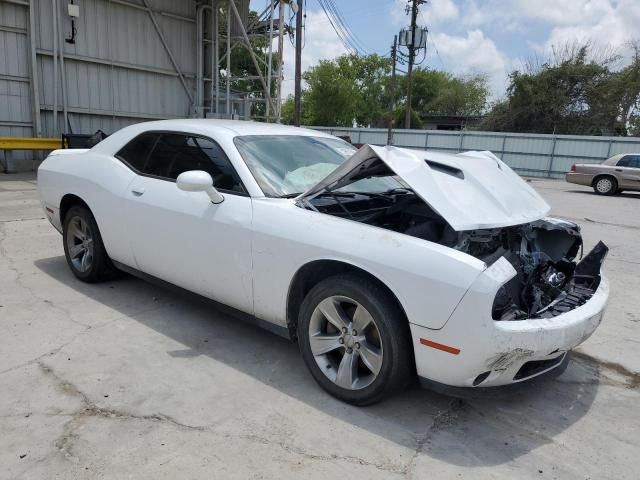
{"x":530,"y":154}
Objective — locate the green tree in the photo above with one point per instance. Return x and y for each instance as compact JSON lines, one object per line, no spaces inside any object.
{"x":356,"y":89}
{"x":575,"y":92}
{"x":330,"y":95}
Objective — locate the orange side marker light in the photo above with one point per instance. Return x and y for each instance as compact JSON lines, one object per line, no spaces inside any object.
{"x":440,"y":346}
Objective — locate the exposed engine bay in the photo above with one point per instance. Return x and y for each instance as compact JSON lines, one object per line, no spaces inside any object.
{"x":550,"y":279}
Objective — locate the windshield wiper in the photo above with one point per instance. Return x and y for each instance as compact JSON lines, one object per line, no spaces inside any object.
{"x":324,"y":193}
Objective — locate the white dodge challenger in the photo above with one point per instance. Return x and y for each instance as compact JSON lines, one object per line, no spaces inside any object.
{"x":381,"y":263}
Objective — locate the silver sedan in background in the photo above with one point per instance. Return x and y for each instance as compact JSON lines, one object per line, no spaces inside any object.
{"x":618,"y":173}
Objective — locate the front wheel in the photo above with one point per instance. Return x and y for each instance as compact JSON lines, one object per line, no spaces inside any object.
{"x":355,"y":340}
{"x":83,"y":247}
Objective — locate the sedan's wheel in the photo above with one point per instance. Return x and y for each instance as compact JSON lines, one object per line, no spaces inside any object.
{"x":354,"y":339}
{"x":83,"y":247}
{"x":605,"y":186}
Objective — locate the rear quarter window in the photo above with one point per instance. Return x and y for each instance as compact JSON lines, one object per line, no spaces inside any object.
{"x":136,"y":152}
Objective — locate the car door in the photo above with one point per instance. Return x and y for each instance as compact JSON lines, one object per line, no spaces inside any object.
{"x":182,"y":237}
{"x":628,"y":171}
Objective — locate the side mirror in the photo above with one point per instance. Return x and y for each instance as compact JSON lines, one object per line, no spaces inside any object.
{"x":199,"y":181}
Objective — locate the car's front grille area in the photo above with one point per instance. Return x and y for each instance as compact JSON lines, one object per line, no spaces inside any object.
{"x":534,"y":367}
{"x":576,"y":296}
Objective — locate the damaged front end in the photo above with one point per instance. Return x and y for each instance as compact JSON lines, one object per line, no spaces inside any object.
{"x":474,"y":203}
{"x":548,"y":281}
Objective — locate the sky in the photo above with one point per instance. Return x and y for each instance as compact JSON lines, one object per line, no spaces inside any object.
{"x":491,"y":37}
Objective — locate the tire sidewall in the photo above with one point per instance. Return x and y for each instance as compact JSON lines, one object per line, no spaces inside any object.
{"x":394,"y":370}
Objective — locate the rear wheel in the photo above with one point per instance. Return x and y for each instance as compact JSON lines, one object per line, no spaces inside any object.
{"x":83,"y":247}
{"x":355,"y":340}
{"x":605,"y":185}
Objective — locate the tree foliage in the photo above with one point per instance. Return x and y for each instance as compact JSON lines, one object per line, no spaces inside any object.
{"x":440,"y":92}
{"x":354,"y":89}
{"x":575,"y":92}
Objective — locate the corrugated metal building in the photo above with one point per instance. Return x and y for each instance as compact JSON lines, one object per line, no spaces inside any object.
{"x":131,"y":60}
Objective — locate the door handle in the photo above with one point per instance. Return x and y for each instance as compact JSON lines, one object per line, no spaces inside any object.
{"x":137,"y":191}
{"x":618,"y":169}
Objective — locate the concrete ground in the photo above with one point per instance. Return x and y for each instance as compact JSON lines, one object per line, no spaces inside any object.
{"x":125,"y":379}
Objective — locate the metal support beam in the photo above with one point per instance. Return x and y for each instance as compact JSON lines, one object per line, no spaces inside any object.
{"x":112,"y":113}
{"x":246,"y":39}
{"x":156,"y":25}
{"x":54,"y":19}
{"x":63,"y":75}
{"x":228,"y":69}
{"x":14,"y":78}
{"x":33,"y":72}
{"x":280,"y":55}
{"x":200,"y":59}
{"x":124,"y":66}
{"x":271,"y":12}
{"x":159,"y":12}
{"x":6,"y":28}
{"x":215,"y":53}
{"x":16,"y":2}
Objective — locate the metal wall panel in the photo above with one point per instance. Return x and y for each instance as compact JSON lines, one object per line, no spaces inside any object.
{"x":530,"y":154}
{"x":117,"y":68}
{"x":15,"y":107}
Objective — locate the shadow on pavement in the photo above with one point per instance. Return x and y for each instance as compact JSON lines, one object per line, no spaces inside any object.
{"x":482,"y":429}
{"x":625,"y":194}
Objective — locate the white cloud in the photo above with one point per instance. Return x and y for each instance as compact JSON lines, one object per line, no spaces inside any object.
{"x":474,"y":53}
{"x":612,"y":27}
{"x":320,"y":43}
{"x":440,"y":11}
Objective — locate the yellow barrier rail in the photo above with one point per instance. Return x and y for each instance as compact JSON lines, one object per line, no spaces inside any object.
{"x":24,"y":143}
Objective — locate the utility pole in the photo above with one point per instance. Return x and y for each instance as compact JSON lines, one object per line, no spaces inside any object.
{"x":280,"y":56}
{"x":392,"y":89}
{"x":412,"y":56}
{"x":297,"y":101}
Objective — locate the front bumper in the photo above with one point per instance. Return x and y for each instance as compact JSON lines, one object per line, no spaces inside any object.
{"x":485,"y":352}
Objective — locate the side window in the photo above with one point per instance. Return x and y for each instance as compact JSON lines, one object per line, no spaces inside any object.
{"x":624,"y":161}
{"x":632,"y":161}
{"x":176,"y":153}
{"x":135,"y":152}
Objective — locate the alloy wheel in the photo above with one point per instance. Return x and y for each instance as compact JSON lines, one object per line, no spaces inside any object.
{"x":80,"y":244}
{"x":345,"y":342}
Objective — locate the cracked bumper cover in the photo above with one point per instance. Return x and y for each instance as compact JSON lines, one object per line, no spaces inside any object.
{"x":501,"y":347}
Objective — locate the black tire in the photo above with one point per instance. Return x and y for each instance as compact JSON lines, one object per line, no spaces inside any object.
{"x":101,"y":268}
{"x":605,"y":185}
{"x":397,"y":366}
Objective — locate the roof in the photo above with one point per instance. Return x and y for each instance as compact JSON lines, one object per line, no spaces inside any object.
{"x":202,"y":126}
{"x":235,"y":127}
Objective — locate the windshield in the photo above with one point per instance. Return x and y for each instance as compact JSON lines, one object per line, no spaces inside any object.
{"x":288,"y":164}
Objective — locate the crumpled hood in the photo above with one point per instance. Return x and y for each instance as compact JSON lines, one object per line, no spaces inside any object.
{"x":470,"y":190}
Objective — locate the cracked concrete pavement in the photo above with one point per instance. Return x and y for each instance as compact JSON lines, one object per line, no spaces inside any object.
{"x":125,"y":379}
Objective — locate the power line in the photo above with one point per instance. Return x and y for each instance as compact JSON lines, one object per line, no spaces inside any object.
{"x":335,"y":29}
{"x":339,"y":26}
{"x":355,"y":40}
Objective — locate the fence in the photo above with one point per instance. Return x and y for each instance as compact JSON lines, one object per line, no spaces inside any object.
{"x":527,"y":153}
